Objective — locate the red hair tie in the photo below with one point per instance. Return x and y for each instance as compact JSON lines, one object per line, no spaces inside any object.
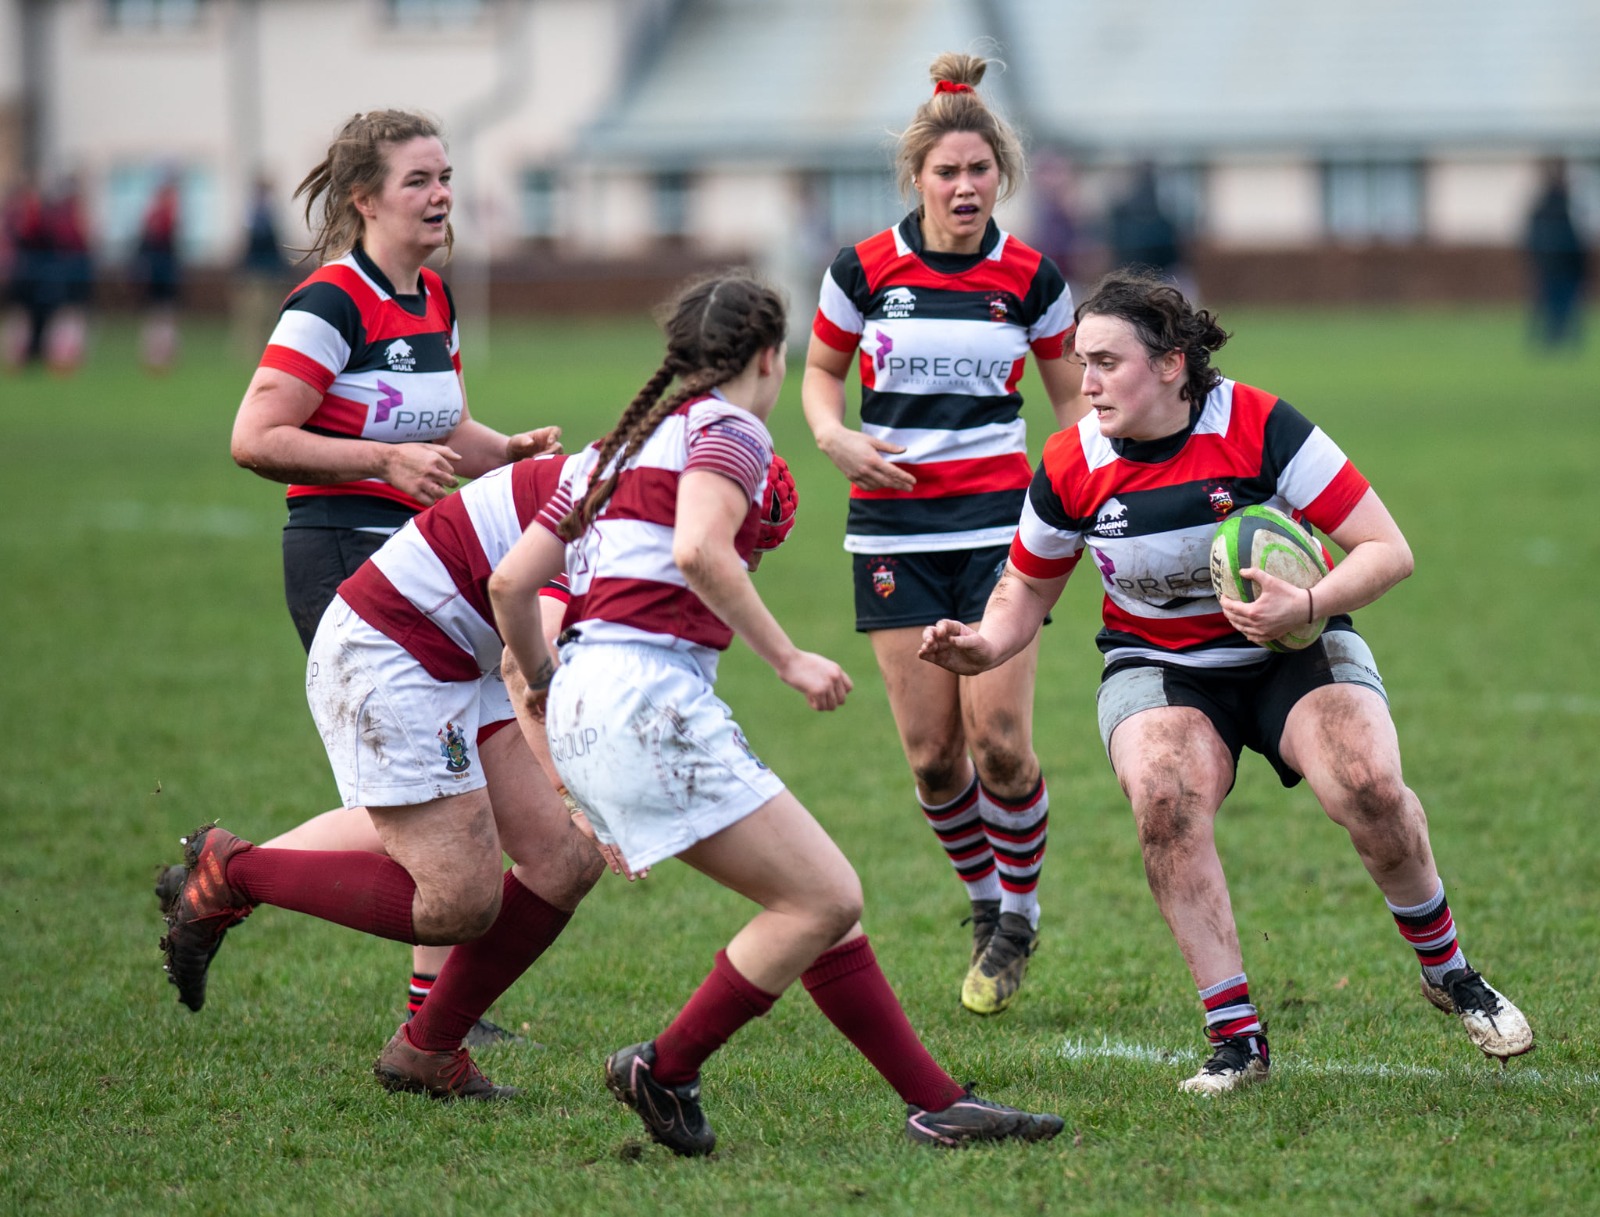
{"x":949,"y":86}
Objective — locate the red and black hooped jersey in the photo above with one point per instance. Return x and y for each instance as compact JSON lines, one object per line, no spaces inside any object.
{"x":1147,"y":512}
{"x":943,"y":340}
{"x":388,"y":366}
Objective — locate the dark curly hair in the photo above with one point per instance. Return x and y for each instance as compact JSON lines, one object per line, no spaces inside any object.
{"x":1163,"y":320}
{"x":714,"y":327}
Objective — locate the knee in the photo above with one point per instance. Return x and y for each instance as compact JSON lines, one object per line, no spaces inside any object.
{"x":1005,"y":761}
{"x":1367,"y":795}
{"x":938,"y":770}
{"x":460,"y":915}
{"x":837,"y":907}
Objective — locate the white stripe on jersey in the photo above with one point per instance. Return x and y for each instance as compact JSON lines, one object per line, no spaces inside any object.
{"x":928,"y":355}
{"x":837,"y":307}
{"x":1216,"y":657}
{"x":1309,"y":471}
{"x":1056,"y":319}
{"x":492,"y":508}
{"x":929,"y":542}
{"x":409,"y":562}
{"x":312,"y":337}
{"x":623,"y":549}
{"x":925,"y":443}
{"x":1043,"y":541}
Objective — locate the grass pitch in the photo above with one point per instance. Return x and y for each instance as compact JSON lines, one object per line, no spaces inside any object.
{"x":153,"y":681}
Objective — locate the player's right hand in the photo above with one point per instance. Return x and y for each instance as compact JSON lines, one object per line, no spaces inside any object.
{"x":860,"y":458}
{"x":426,"y":472}
{"x":957,"y":647}
{"x":824,"y":683}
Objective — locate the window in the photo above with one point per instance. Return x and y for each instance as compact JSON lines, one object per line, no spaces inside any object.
{"x":539,"y":204}
{"x":129,"y":190}
{"x":671,"y":204}
{"x":436,"y":14}
{"x":153,"y":14}
{"x":1372,"y":200}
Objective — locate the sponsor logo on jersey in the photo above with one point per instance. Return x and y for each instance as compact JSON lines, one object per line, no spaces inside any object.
{"x":391,"y":398}
{"x":899,"y":303}
{"x":453,"y":747}
{"x":1221,"y":499}
{"x":883,"y":579}
{"x":885,"y":345}
{"x":399,"y":356}
{"x":1113,"y":519}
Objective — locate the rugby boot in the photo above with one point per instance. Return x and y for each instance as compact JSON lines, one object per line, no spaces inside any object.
{"x":404,"y":1068}
{"x":200,"y":910}
{"x":1496,"y":1026}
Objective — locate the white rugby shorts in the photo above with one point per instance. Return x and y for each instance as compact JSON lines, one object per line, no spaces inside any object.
{"x":642,"y":741}
{"x":395,"y":735}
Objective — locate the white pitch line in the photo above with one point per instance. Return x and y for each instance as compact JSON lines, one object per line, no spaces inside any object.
{"x":1147,"y":1054}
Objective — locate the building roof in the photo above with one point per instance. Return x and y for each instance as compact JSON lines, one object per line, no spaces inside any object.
{"x":825,"y":82}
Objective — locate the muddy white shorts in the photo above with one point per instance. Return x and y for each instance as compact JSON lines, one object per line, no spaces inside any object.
{"x":395,"y":735}
{"x":642,"y":741}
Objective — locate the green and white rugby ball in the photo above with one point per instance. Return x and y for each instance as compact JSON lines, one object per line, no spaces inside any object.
{"x":1268,"y":540}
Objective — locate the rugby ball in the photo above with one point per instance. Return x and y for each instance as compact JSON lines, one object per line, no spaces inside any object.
{"x":1268,"y":540}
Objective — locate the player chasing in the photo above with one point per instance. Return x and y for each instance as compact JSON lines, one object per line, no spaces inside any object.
{"x":663,"y":520}
{"x":1171,"y":448}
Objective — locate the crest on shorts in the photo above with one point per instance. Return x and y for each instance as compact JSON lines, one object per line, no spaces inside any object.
{"x":1221,"y":499}
{"x":744,"y":746}
{"x":453,"y":747}
{"x":883,"y":579}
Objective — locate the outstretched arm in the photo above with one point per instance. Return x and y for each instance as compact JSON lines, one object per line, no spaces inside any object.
{"x":1015,"y":611}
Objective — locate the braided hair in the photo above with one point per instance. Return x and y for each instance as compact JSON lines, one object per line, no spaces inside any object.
{"x":714,"y":327}
{"x":1163,"y":320}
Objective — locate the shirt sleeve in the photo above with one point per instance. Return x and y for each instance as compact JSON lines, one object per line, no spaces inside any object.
{"x":736,"y":446}
{"x":839,"y":321}
{"x":319,"y":326}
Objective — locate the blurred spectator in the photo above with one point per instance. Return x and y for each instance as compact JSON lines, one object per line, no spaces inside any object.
{"x":1058,"y":230}
{"x":259,"y":282}
{"x":159,"y":275}
{"x":27,"y":243}
{"x":1558,"y":260}
{"x":1140,"y":233}
{"x":68,"y":277}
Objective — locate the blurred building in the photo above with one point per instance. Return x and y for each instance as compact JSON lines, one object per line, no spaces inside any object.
{"x":1357,"y":151}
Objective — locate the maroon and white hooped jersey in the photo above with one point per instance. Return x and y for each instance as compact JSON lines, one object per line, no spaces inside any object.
{"x":428,"y":587}
{"x":1147,"y":511}
{"x":943,"y":340}
{"x":625,"y":585}
{"x":388,"y":367}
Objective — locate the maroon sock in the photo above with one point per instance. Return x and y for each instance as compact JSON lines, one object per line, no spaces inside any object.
{"x":724,"y":1002}
{"x":850,"y":988}
{"x":476,"y":973}
{"x":364,"y":891}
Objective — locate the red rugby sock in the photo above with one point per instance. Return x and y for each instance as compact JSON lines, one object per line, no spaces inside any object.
{"x":368,"y":892}
{"x":724,"y":1002}
{"x":850,"y":988}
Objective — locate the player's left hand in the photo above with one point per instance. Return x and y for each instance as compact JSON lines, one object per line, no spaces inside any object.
{"x":532,"y":443}
{"x":617,"y":864}
{"x":1279,"y":607}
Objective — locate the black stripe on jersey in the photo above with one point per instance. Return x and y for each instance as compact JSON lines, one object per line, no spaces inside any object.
{"x":959,"y":513}
{"x":849,"y":274}
{"x":938,"y":411}
{"x":1109,"y":640}
{"x":942,"y":304}
{"x":1046,"y":288}
{"x":425,"y":352}
{"x":333,"y":305}
{"x":1047,"y":504}
{"x":347,"y":511}
{"x":1286,"y":433}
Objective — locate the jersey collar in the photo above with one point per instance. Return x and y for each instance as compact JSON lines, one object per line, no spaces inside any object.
{"x":950,"y":264}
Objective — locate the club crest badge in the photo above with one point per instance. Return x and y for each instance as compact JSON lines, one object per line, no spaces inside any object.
{"x":1221,"y":499}
{"x":453,"y":747}
{"x":883,"y":580}
{"x":998,"y":309}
